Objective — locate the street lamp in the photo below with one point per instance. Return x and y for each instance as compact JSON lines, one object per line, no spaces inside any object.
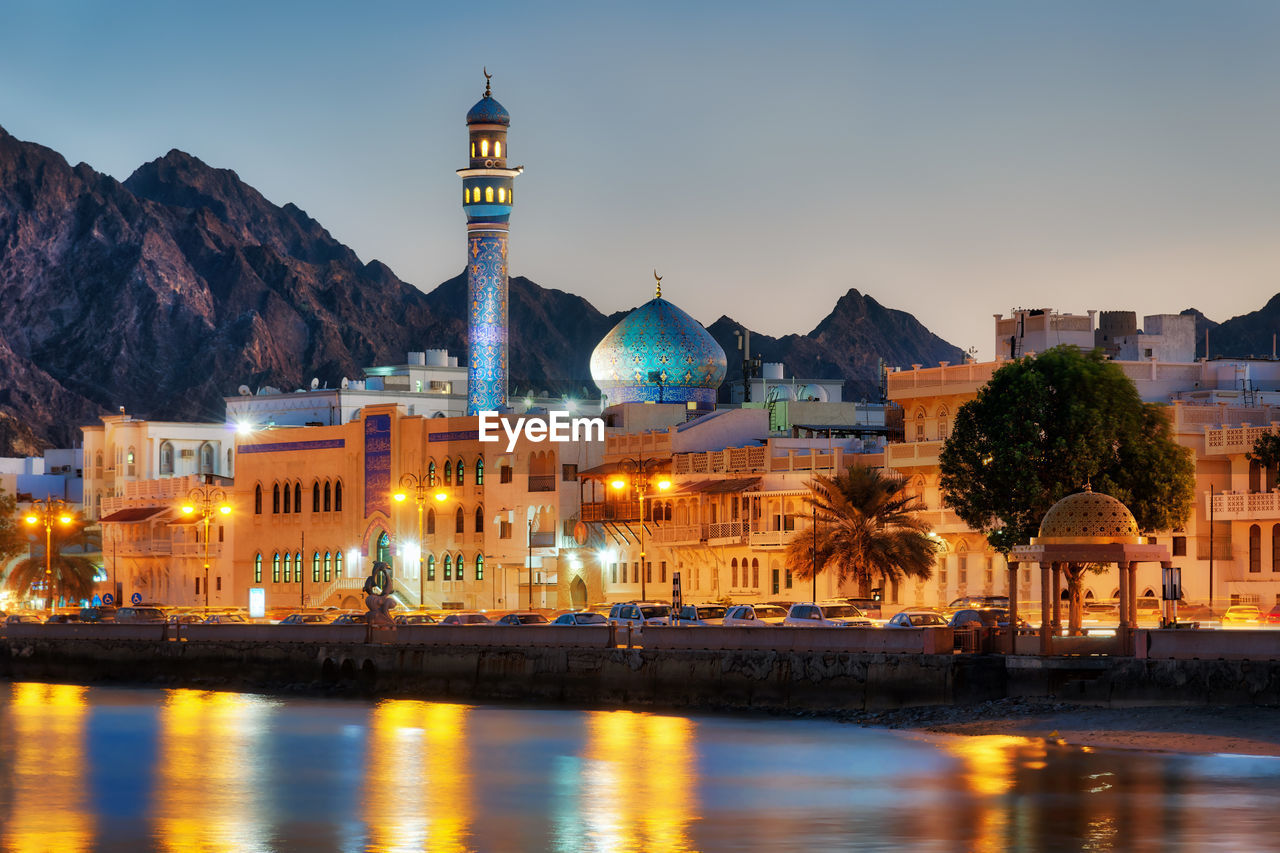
{"x":48,"y":512}
{"x":419,"y":485}
{"x":637,"y":471}
{"x":206,"y":500}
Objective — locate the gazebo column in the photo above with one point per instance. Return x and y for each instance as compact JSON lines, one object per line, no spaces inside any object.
{"x":1057,"y":599}
{"x":1133,"y":594}
{"x":1046,"y":608}
{"x":1012,"y":648}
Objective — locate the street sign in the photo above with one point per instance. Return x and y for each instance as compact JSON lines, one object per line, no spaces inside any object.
{"x":108,"y":599}
{"x":136,"y":598}
{"x":676,"y":599}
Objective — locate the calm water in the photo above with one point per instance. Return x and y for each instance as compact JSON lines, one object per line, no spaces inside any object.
{"x":185,"y":770}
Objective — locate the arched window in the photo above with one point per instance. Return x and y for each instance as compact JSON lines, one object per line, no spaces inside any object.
{"x":297,"y":565}
{"x":97,"y":465}
{"x":488,"y":194}
{"x":297,"y":497}
{"x":275,"y":498}
{"x":328,"y":567}
{"x":484,"y":148}
{"x":315,"y":566}
{"x":166,"y":458}
{"x":384,"y":548}
{"x":130,"y":461}
{"x":458,"y":521}
{"x":337,"y":496}
{"x":448,"y":473}
{"x":457,"y":569}
{"x":275,"y":567}
{"x":460,"y":473}
{"x":919,"y":424}
{"x":473,"y":149}
{"x":315,"y":496}
{"x":431,"y":520}
{"x":288,"y":494}
{"x":327,"y":495}
{"x":288,"y":568}
{"x":479,"y":567}
{"x":206,"y":459}
{"x":502,"y":195}
{"x":257,"y":499}
{"x":431,"y":567}
{"x":734,"y":582}
{"x":497,"y":148}
{"x":1255,"y":548}
{"x":431,"y":473}
{"x":337,"y":565}
{"x":257,"y":568}
{"x":448,"y":567}
{"x":479,"y":470}
{"x":479,"y":519}
{"x":466,"y":193}
{"x":944,"y":423}
{"x":1255,"y":477}
{"x":755,"y":573}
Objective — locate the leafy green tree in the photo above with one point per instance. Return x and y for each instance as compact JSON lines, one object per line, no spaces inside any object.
{"x":866,"y":527}
{"x":13,"y":535}
{"x":1266,"y":450}
{"x":72,"y":576}
{"x":1044,"y":427}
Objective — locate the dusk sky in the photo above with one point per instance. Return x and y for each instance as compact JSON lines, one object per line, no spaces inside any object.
{"x":954,"y":160}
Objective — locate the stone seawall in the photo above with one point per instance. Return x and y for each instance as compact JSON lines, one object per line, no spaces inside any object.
{"x":743,"y":679}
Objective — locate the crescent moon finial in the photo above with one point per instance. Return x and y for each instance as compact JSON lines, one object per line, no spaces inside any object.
{"x":487,"y":78}
{"x":658,"y":279}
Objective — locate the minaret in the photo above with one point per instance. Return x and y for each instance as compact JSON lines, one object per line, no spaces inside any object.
{"x":487,"y":199}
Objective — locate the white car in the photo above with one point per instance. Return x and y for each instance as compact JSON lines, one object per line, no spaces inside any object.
{"x":808,"y":615}
{"x":917,"y":619}
{"x":754,"y":616}
{"x":639,"y":614}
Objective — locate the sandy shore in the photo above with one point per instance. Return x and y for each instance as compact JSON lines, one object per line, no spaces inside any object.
{"x":1244,"y":730}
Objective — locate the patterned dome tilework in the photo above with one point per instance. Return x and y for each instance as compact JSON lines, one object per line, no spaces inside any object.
{"x":488,"y":111}
{"x":1088,"y":514}
{"x":658,"y":338}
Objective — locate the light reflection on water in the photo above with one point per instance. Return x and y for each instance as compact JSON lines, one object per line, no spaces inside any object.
{"x":185,"y":770}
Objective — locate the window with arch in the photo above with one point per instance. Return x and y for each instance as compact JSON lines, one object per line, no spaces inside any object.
{"x":206,"y":458}
{"x":97,"y":465}
{"x":1255,"y":548}
{"x":257,"y":499}
{"x":734,"y":579}
{"x":337,"y":565}
{"x":275,"y":498}
{"x":383,"y":548}
{"x":130,"y":461}
{"x":479,"y":470}
{"x":488,"y":194}
{"x":502,"y":195}
{"x":459,"y":520}
{"x":297,"y":497}
{"x":1275,"y":547}
{"x":431,"y":520}
{"x":337,"y":496}
{"x":315,"y":496}
{"x":328,"y":493}
{"x":484,"y":148}
{"x":479,"y":567}
{"x":448,"y":567}
{"x":755,"y":572}
{"x":944,"y":423}
{"x":315,"y":566}
{"x":257,"y":568}
{"x":497,"y":148}
{"x":431,"y":473}
{"x":459,"y":473}
{"x":328,"y":567}
{"x":166,"y":457}
{"x":288,"y":494}
{"x":275,"y":567}
{"x":431,"y":567}
{"x":458,"y":568}
{"x":288,"y":567}
{"x":297,"y":565}
{"x":448,"y":473}
{"x":479,"y":519}
{"x":466,"y":193}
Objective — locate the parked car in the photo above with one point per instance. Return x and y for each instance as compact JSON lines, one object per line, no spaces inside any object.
{"x":1242,"y":614}
{"x":583,"y":617}
{"x":1271,"y":617}
{"x":225,"y":619}
{"x":102,"y":613}
{"x":524,"y":618}
{"x":638,"y":614}
{"x":62,"y":618}
{"x":806,"y":614}
{"x":414,"y":619}
{"x":754,"y":616}
{"x":306,"y":619}
{"x":704,"y":615}
{"x":23,"y":619}
{"x":141,"y":614}
{"x":979,"y":602}
{"x":185,"y":618}
{"x":919,"y":618}
{"x":351,"y":617}
{"x":466,"y":617}
{"x":871,"y":607}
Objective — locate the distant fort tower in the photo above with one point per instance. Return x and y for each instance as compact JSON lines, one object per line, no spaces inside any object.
{"x":487,"y":200}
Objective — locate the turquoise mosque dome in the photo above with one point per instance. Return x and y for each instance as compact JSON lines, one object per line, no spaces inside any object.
{"x":488,"y":111}
{"x":659,"y":354}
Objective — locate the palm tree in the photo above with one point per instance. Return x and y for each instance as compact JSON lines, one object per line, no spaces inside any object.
{"x":865,"y":527}
{"x":73,"y":576}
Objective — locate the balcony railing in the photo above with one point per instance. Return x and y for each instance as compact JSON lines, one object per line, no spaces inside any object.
{"x":1226,"y":440}
{"x":1229,"y":506}
{"x":619,"y":511}
{"x":542,"y":482}
{"x":729,"y":531}
{"x":677,"y":534}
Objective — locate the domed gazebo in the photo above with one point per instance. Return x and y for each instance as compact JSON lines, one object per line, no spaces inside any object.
{"x":1083,"y":529}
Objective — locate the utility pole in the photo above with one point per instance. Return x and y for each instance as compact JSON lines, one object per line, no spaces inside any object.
{"x":302,"y":576}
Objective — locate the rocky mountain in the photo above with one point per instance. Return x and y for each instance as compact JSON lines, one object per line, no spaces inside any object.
{"x":1246,"y":336}
{"x":164,"y":293}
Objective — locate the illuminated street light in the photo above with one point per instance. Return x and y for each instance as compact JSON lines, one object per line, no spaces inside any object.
{"x":637,"y":471}
{"x":419,"y":484}
{"x":46,"y":512}
{"x":203,"y":502}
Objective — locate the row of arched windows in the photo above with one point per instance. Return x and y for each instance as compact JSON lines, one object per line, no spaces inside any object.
{"x":454,"y":473}
{"x":1255,"y":548}
{"x":504,"y":195}
{"x":290,"y":568}
{"x":459,"y":520}
{"x":943,"y":417}
{"x":755,"y":573}
{"x":207,"y":456}
{"x":454,"y":567}
{"x":286,"y":498}
{"x":484,"y":147}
